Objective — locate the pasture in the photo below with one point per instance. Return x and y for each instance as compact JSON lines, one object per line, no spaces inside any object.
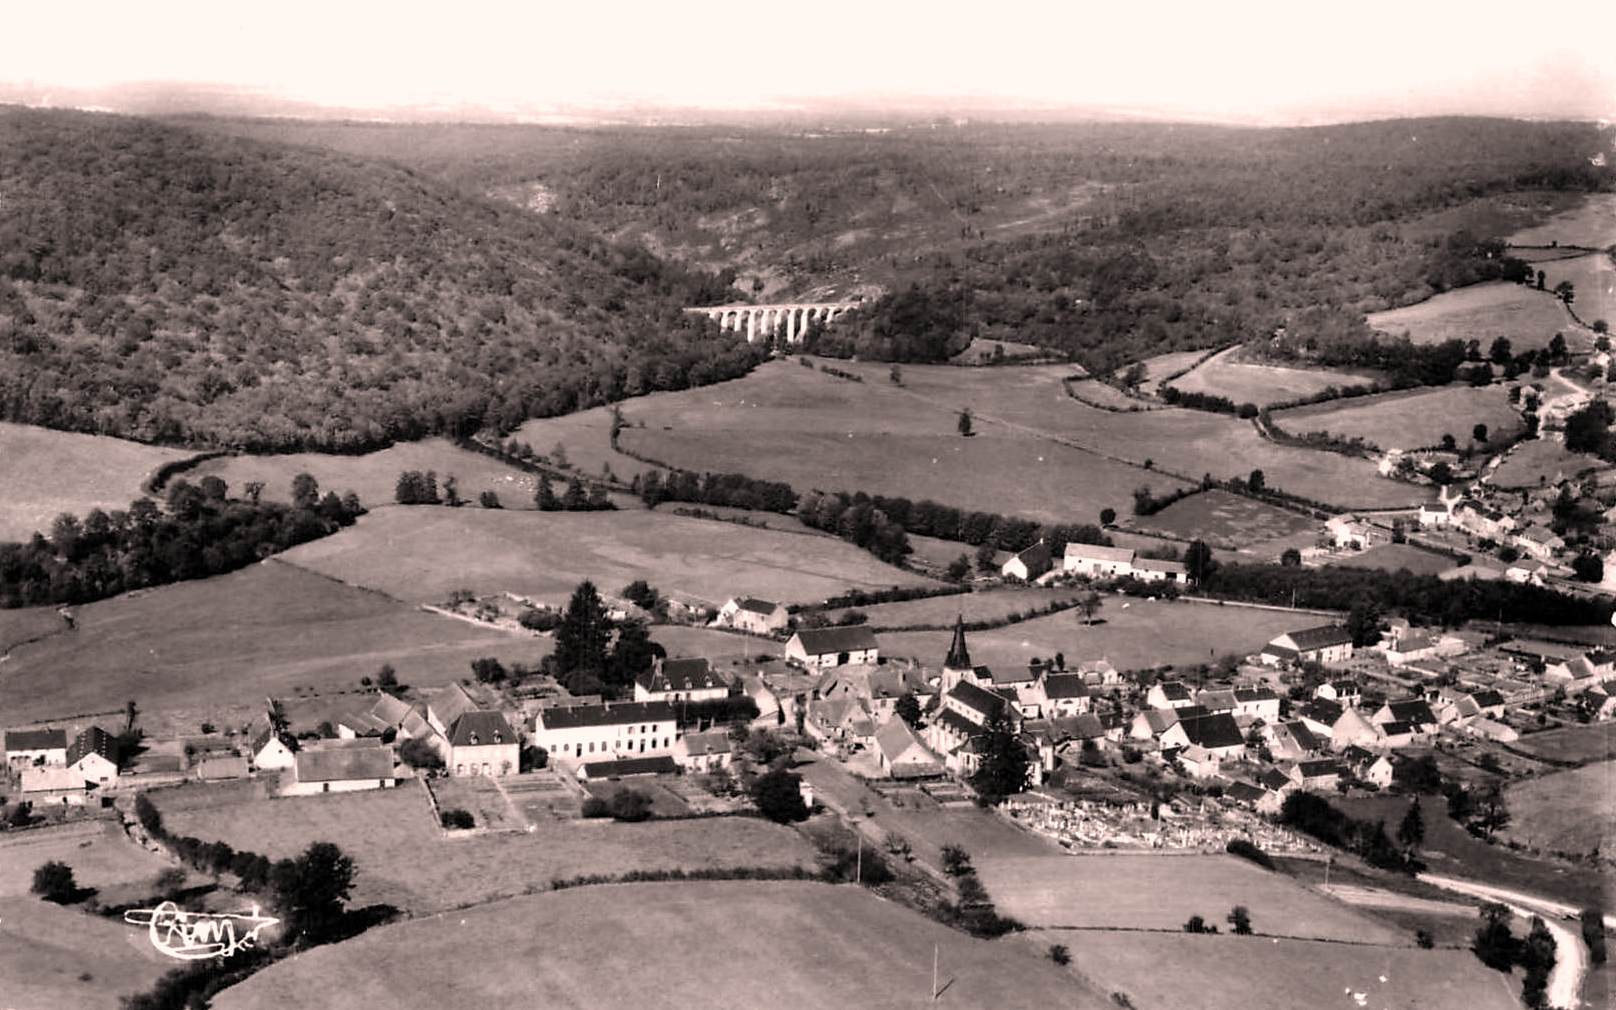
{"x":403,"y":859}
{"x":1590,"y":221}
{"x":28,"y":624}
{"x":1409,"y":419}
{"x":940,"y":611}
{"x":1530,"y":318}
{"x":983,"y":349}
{"x":1594,"y":279}
{"x":1163,"y":367}
{"x":46,"y":473}
{"x":52,"y":956}
{"x":1162,"y":891}
{"x":1541,"y":461}
{"x":1227,"y":374}
{"x":585,"y":439}
{"x":202,"y":650}
{"x":374,"y":475}
{"x":423,"y":553}
{"x":1222,"y":972}
{"x":101,"y":855}
{"x":1226,"y":519}
{"x":1396,"y":558}
{"x":778,"y":943}
{"x":1571,"y":811}
{"x":1593,"y":742}
{"x":1131,"y":634}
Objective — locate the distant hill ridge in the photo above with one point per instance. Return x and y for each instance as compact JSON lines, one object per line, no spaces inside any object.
{"x":174,"y":286}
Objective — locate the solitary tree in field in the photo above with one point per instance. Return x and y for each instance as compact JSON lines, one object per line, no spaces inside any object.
{"x":964,"y":425}
{"x":1255,"y":481}
{"x":956,"y":861}
{"x":488,"y":500}
{"x":54,"y":882}
{"x":1449,"y":442}
{"x":305,"y":491}
{"x":1479,"y":433}
{"x":1566,"y":292}
{"x":1198,"y":561}
{"x":1239,"y":920}
{"x":1108,"y":516}
{"x":1090,"y":605}
{"x":1411,"y":832}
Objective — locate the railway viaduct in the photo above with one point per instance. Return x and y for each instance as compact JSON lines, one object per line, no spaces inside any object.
{"x":792,"y":318}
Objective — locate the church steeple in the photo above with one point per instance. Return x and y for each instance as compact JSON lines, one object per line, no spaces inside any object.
{"x":959,"y":657}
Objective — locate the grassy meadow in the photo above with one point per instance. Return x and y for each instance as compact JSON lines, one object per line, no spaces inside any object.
{"x":786,"y":944}
{"x":1395,"y":558}
{"x":1409,"y":419}
{"x":1594,"y":279}
{"x":1220,"y":517}
{"x":1226,"y":374}
{"x":1541,"y":461}
{"x":101,"y":855}
{"x":1131,"y":634}
{"x":404,"y":859}
{"x":1530,"y":318}
{"x":53,"y":957}
{"x":1589,"y":221}
{"x":200,"y":650}
{"x":940,"y":611}
{"x":423,"y":553}
{"x":1162,"y":891}
{"x":1570,"y":811}
{"x":46,"y":473}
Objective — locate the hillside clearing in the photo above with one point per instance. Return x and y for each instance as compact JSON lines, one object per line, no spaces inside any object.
{"x":1226,"y":374}
{"x":1162,"y":891}
{"x":1589,"y":222}
{"x":1571,"y":811}
{"x":1541,"y":461}
{"x":1593,"y":278}
{"x":1225,"y":519}
{"x":784,"y":944}
{"x":52,"y":956}
{"x":46,"y":473}
{"x":199,"y":650}
{"x":1395,"y":558}
{"x":1409,"y":419}
{"x":1529,"y":318}
{"x":403,"y":859}
{"x":424,"y":553}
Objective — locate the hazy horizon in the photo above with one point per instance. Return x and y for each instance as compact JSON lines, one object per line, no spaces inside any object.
{"x":1262,"y":62}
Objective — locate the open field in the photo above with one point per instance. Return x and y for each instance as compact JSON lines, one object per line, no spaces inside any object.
{"x":684,"y":641}
{"x":1594,"y":279}
{"x":1162,"y":891}
{"x":1396,"y":557}
{"x":1163,"y":365}
{"x":1530,"y":318}
{"x":424,"y":553}
{"x":1541,"y":461}
{"x":1590,"y":221}
{"x":1226,"y":519}
{"x":101,"y":855}
{"x":1131,"y":634}
{"x":1037,"y":451}
{"x":1498,"y":215}
{"x":585,"y":438}
{"x":1593,"y":742}
{"x":940,"y":611}
{"x":26,"y":625}
{"x":1449,"y":850}
{"x":983,"y":349}
{"x":53,"y":957}
{"x":1184,"y":972}
{"x":1570,"y":811}
{"x":664,"y":801}
{"x":1226,"y":374}
{"x":1409,"y":419}
{"x":195,"y":649}
{"x":374,"y":475}
{"x":785,"y":944}
{"x":46,"y":473}
{"x":404,"y":860}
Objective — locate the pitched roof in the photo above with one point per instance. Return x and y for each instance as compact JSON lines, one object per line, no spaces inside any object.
{"x":450,"y":704}
{"x":977,"y":698}
{"x":341,"y":764}
{"x":895,"y":738}
{"x":1035,"y":557}
{"x":713,"y":742}
{"x":610,"y":714}
{"x":1096,"y":552}
{"x":390,"y":710}
{"x":1488,"y":698}
{"x":1161,"y":565}
{"x":755,"y":605}
{"x":36,"y":739}
{"x":1013,"y":675}
{"x":1413,"y":710}
{"x":1322,"y":711}
{"x":1251,"y":695}
{"x":1216,"y":699}
{"x":263,"y":736}
{"x":1065,"y":685}
{"x":1078,"y":727}
{"x":94,"y":740}
{"x":662,"y":765}
{"x":481,"y":728}
{"x":1244,"y":792}
{"x":822,"y":641}
{"x":952,"y":720}
{"x":682,"y":675}
{"x":959,"y":657}
{"x":1210,"y":731}
{"x":1173,"y":690}
{"x":1319,"y":767}
{"x":1160,"y":720}
{"x":1322,"y":637}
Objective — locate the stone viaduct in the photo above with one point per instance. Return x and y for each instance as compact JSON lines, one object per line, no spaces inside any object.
{"x":792,"y":318}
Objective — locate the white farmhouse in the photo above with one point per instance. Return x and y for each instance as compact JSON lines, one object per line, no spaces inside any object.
{"x":578,"y":734}
{"x":760,"y":617}
{"x":826,"y":647}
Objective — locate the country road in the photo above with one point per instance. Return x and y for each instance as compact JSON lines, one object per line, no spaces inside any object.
{"x":1570,"y":956}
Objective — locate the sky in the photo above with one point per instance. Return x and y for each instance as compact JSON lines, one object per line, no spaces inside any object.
{"x":1259,"y":60}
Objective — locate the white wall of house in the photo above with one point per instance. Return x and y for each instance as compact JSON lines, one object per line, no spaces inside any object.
{"x":484,"y":759}
{"x":582,"y":744}
{"x":338,"y":786}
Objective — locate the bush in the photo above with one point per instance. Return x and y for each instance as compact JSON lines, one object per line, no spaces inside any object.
{"x":1240,"y":920}
{"x":778,"y":796}
{"x":1246,"y":850}
{"x":631,"y":805}
{"x":1196,"y":924}
{"x":595,"y":807}
{"x":54,"y":882}
{"x":457,"y":819}
{"x":534,"y":619}
{"x":846,"y":865}
{"x":1060,"y":954}
{"x":419,"y":754}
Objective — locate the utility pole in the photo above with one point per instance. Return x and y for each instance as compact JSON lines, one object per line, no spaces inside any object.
{"x":858,"y":873}
{"x":934,"y":972}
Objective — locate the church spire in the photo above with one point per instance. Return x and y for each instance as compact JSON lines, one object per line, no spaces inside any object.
{"x":959,"y":658}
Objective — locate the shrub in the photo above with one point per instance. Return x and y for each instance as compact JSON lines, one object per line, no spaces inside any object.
{"x":1240,"y":920}
{"x":54,"y":882}
{"x":631,"y":805}
{"x":595,"y":807}
{"x":457,"y":819}
{"x":778,"y":796}
{"x":1246,"y":850}
{"x":1060,"y":954}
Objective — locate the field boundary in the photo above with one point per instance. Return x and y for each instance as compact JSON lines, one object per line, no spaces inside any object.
{"x":1260,"y":606}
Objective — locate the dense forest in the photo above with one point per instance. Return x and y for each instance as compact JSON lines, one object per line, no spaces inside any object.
{"x":180,"y":287}
{"x":1109,"y":241}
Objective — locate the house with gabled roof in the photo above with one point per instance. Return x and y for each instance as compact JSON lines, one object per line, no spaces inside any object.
{"x":1330,"y":643}
{"x":354,"y":725}
{"x":1217,"y":732}
{"x":902,"y":755}
{"x":623,"y":768}
{"x":272,"y":751}
{"x":1256,"y":703}
{"x":449,"y":704}
{"x":1291,"y":741}
{"x":340,"y":770}
{"x":821,"y":648}
{"x":1321,"y":774}
{"x":577,"y":734}
{"x":1160,"y":570}
{"x":1095,"y":561}
{"x":1062,"y":695}
{"x":687,"y":680}
{"x":26,"y":747}
{"x":1320,"y":716}
{"x":1414,"y":711}
{"x":1353,"y":728}
{"x":1216,"y":699}
{"x":1029,"y":564}
{"x":703,"y":752}
{"x":1540,"y":542}
{"x":1342,"y":692}
{"x":748,"y":613}
{"x":481,"y":742}
{"x":1169,"y":694}
{"x":94,"y":755}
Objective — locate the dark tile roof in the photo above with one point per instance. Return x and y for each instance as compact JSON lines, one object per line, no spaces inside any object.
{"x":977,"y":698}
{"x":482,"y":728}
{"x":1219,"y":730}
{"x":1318,"y":768}
{"x":682,"y":675}
{"x":1412,"y":710}
{"x":36,"y":739}
{"x":1247,"y":695}
{"x":1173,"y":690}
{"x":756,"y":605}
{"x":820,"y":641}
{"x":619,"y":714}
{"x":262,"y":738}
{"x":450,"y":704}
{"x":1488,"y":698}
{"x":1244,"y":792}
{"x":1322,"y":711}
{"x":1322,"y":637}
{"x":344,"y":764}
{"x":1398,"y":728}
{"x":1065,"y":685}
{"x":631,"y":766}
{"x":94,"y":740}
{"x":1036,"y":558}
{"x":950,"y":719}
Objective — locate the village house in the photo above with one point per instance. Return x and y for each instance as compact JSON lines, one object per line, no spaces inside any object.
{"x":1169,"y":694}
{"x":94,"y":756}
{"x":1413,"y":711}
{"x":843,"y":721}
{"x":481,"y":742}
{"x":1320,"y":715}
{"x":1354,"y":729}
{"x":1490,"y":729}
{"x":52,"y":783}
{"x":272,"y":751}
{"x":1348,"y":531}
{"x":1096,"y":562}
{"x":448,"y":705}
{"x":703,"y":752}
{"x":1291,"y":741}
{"x":1539,"y":542}
{"x":1256,"y":703}
{"x":1062,"y":695}
{"x":40,"y":747}
{"x":1151,"y":723}
{"x":902,"y":755}
{"x":340,"y":770}
{"x":1030,"y":564}
{"x":575,"y":734}
{"x":1342,"y":692}
{"x":1159,"y":570}
{"x":1217,"y":733}
{"x":1100,"y":673}
{"x":1216,"y":699}
{"x":1436,"y":514}
{"x":1330,"y":643}
{"x":747,"y":613}
{"x":1481,"y":521}
{"x":1319,"y":775}
{"x":826,"y":647}
{"x":878,"y":687}
{"x":690,"y":680}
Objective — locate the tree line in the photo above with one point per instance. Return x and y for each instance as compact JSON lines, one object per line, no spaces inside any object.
{"x":201,"y":532}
